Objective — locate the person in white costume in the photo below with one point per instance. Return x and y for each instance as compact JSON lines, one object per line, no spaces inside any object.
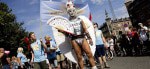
{"x":78,"y":39}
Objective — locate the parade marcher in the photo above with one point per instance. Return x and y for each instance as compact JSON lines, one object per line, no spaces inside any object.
{"x":78,"y":40}
{"x":37,"y":46}
{"x":23,"y":61}
{"x":100,"y":50}
{"x":51,"y":51}
{"x":5,"y":60}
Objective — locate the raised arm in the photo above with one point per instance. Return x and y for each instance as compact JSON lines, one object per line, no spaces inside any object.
{"x":43,"y":44}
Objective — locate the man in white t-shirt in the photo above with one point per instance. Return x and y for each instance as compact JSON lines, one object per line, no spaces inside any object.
{"x":143,"y":31}
{"x":111,"y":46}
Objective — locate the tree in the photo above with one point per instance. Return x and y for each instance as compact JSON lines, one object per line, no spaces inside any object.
{"x":11,"y":31}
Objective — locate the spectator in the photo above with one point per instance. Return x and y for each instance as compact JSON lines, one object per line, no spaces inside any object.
{"x":143,"y":31}
{"x":5,"y":60}
{"x":148,"y":34}
{"x":136,"y":42}
{"x":149,"y":29}
{"x":23,"y":61}
{"x":124,"y":43}
{"x":111,"y":46}
{"x":114,"y":38}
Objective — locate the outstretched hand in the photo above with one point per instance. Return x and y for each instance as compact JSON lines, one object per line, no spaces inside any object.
{"x":59,"y":30}
{"x":65,"y":32}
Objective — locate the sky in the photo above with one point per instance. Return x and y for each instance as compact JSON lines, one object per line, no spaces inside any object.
{"x":28,"y":11}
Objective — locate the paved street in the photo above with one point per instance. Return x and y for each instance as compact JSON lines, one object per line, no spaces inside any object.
{"x":130,"y":63}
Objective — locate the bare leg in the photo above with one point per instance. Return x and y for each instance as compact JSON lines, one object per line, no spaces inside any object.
{"x":63,"y":65}
{"x":104,"y":58}
{"x":78,"y":52}
{"x":88,"y":52}
{"x":101,"y":62}
{"x":105,"y":63}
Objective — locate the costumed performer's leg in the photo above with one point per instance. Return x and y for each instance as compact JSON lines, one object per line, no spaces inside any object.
{"x":88,"y":52}
{"x":78,"y":52}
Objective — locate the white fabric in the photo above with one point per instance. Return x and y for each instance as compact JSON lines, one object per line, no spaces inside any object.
{"x":64,"y":42}
{"x":111,"y":42}
{"x":145,"y":28}
{"x":143,"y":35}
{"x":94,"y":67}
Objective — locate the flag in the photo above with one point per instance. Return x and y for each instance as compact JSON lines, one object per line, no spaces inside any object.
{"x":90,"y":17}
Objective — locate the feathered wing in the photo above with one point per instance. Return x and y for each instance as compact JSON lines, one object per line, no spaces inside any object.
{"x":50,"y":8}
{"x":84,"y":10}
{"x":64,"y":45}
{"x":86,"y":21}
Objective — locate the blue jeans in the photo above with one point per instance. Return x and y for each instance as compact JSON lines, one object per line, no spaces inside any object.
{"x":6,"y":67}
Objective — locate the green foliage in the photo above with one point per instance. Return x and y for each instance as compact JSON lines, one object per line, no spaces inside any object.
{"x":11,"y":31}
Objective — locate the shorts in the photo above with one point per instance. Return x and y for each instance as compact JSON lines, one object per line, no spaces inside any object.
{"x":41,"y":65}
{"x":60,"y":57}
{"x":6,"y":67}
{"x":100,"y":50}
{"x":53,"y":61}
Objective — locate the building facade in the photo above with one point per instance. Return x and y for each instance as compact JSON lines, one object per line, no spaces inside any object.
{"x":121,"y":24}
{"x":115,"y":26}
{"x":139,"y":11}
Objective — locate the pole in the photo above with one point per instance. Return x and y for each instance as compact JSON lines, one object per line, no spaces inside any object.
{"x":40,"y":21}
{"x":112,"y":10}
